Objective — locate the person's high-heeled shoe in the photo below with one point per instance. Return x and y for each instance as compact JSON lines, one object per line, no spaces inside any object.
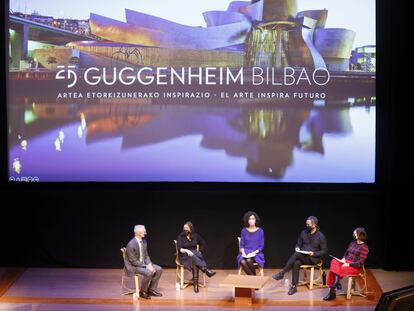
{"x":208,"y":272}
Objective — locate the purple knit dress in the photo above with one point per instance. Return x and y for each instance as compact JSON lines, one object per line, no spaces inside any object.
{"x":252,"y":241}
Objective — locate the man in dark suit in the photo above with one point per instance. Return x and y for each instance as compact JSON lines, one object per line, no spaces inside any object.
{"x":138,"y":261}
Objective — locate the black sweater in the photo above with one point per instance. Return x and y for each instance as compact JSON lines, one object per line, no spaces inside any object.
{"x":315,"y":243}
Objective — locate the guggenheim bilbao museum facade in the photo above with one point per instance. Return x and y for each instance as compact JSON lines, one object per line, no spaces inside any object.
{"x":264,"y":33}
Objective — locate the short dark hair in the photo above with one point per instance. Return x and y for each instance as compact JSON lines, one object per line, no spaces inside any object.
{"x":247,"y":216}
{"x":314,"y":220}
{"x":361,"y":234}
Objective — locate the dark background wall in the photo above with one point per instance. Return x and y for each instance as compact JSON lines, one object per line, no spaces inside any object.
{"x":84,"y":225}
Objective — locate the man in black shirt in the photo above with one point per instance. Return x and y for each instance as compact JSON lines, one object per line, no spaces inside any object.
{"x":311,"y":241}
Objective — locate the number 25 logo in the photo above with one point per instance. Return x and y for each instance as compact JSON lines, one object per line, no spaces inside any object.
{"x":71,"y":75}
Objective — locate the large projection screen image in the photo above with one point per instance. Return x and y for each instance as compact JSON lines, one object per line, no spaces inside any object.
{"x":192,"y":91}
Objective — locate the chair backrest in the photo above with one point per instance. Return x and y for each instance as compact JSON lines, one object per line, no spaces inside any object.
{"x":124,"y":256}
{"x":177,"y":259}
{"x":238,"y":240}
{"x":123,"y":252}
{"x":176,"y":247}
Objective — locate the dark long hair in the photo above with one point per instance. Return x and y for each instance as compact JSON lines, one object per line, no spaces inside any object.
{"x":191,"y":226}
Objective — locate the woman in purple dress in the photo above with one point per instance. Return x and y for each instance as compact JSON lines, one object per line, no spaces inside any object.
{"x":251,"y":244}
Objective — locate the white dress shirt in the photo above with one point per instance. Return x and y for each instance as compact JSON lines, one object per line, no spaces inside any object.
{"x":141,"y":259}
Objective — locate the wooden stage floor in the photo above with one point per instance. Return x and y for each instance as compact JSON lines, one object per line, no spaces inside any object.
{"x":44,"y":289}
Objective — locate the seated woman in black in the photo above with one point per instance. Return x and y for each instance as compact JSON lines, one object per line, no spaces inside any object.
{"x":191,"y":258}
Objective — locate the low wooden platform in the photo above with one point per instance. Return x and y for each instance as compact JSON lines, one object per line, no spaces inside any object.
{"x":57,"y":286}
{"x":244,"y":286}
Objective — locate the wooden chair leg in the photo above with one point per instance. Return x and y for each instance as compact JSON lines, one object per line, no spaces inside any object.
{"x":365,"y":292}
{"x":305,"y":277}
{"x":136,"y":283}
{"x":320,"y":279}
{"x":349,"y":289}
{"x":361,"y":290}
{"x":177,"y":275}
{"x":313,"y":279}
{"x":203,"y":284}
{"x":240,"y":270}
{"x":312,"y":274}
{"x":182,"y":277}
{"x":123,"y":284}
{"x":135,"y":296}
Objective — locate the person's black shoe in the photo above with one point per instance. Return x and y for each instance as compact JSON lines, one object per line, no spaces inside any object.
{"x":153,"y":292}
{"x":210,"y":273}
{"x":144,"y":295}
{"x":195,"y":278}
{"x":331,"y":296}
{"x":292,"y":290}
{"x":278,"y":276}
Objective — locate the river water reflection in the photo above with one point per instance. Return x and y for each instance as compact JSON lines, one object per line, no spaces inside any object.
{"x":145,"y":141}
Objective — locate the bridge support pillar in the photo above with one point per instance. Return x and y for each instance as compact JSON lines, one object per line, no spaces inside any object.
{"x":18,"y":44}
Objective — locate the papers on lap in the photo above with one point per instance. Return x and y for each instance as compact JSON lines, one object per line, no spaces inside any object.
{"x":340,"y":260}
{"x":303,"y":252}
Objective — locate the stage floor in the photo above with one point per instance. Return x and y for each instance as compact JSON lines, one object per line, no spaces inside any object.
{"x":44,"y":289}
